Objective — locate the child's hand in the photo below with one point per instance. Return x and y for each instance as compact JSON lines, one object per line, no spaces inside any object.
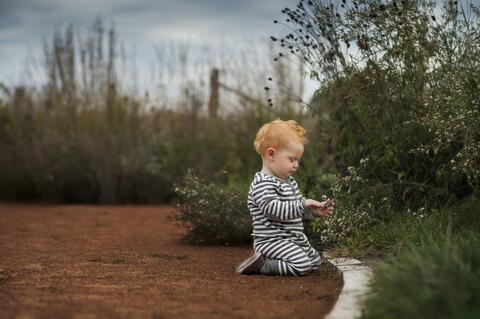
{"x":324,"y":209}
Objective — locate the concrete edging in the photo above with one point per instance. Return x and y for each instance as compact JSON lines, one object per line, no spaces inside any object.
{"x":356,"y":277}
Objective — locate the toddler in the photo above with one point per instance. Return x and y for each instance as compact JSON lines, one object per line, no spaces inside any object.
{"x":277,"y":207}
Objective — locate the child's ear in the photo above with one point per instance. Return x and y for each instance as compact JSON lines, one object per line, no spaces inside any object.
{"x":270,"y":153}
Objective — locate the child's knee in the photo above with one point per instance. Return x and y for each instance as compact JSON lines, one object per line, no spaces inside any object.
{"x":307,"y":266}
{"x":316,"y":263}
{"x":304,"y":271}
{"x":299,"y":269}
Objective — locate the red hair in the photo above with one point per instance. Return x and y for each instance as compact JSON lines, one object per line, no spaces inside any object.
{"x":278,"y":133}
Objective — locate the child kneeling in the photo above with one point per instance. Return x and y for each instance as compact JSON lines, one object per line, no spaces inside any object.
{"x":277,"y":207}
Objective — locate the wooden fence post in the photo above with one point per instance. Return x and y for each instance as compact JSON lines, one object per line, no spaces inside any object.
{"x":213,"y":102}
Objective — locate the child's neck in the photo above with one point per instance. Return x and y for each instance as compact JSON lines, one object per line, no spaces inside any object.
{"x":268,"y":171}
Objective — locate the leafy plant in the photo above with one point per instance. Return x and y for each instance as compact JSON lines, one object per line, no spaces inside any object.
{"x":212,"y":213}
{"x":399,"y":100}
{"x":436,"y":279}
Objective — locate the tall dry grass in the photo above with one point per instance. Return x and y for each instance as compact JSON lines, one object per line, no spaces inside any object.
{"x":86,"y":136}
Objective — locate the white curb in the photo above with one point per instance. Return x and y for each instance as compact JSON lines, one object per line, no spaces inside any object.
{"x":356,"y":276}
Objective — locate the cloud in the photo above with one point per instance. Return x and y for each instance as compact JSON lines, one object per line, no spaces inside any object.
{"x":140,"y":24}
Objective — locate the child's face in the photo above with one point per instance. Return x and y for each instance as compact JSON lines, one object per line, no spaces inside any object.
{"x":284,"y":162}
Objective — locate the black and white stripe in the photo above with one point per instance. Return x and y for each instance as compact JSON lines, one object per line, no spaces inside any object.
{"x":277,"y":208}
{"x":295,"y":258}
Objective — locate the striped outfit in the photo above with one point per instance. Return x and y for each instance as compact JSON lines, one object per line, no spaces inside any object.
{"x":277,"y":208}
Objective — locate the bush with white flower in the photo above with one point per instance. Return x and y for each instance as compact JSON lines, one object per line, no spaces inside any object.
{"x":212,"y":213}
{"x":400,"y":98}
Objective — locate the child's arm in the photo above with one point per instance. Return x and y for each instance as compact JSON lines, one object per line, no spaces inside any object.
{"x":266,"y":197}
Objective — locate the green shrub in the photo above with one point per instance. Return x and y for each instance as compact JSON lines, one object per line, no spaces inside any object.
{"x":466,"y":217}
{"x":433,"y":263}
{"x":437,"y":279}
{"x":212,"y":213}
{"x":406,"y":231}
{"x":353,"y":233}
{"x":401,"y":109}
{"x":412,"y":229}
{"x":358,"y":208}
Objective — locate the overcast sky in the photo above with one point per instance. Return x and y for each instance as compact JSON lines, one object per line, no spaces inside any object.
{"x":140,"y":25}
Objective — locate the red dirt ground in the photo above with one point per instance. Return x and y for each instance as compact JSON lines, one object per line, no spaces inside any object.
{"x":128,"y":262}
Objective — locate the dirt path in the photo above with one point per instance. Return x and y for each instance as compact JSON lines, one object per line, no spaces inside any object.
{"x":128,"y":262}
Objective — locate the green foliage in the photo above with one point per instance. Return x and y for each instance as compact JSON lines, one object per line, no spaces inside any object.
{"x":452,"y":115}
{"x":393,"y":235}
{"x":436,"y":279}
{"x":90,"y":160}
{"x":399,"y":99}
{"x":134,"y":156}
{"x":431,"y":257}
{"x":212,"y":213}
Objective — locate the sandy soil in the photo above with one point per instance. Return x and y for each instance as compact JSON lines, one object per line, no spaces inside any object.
{"x":128,"y":262}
